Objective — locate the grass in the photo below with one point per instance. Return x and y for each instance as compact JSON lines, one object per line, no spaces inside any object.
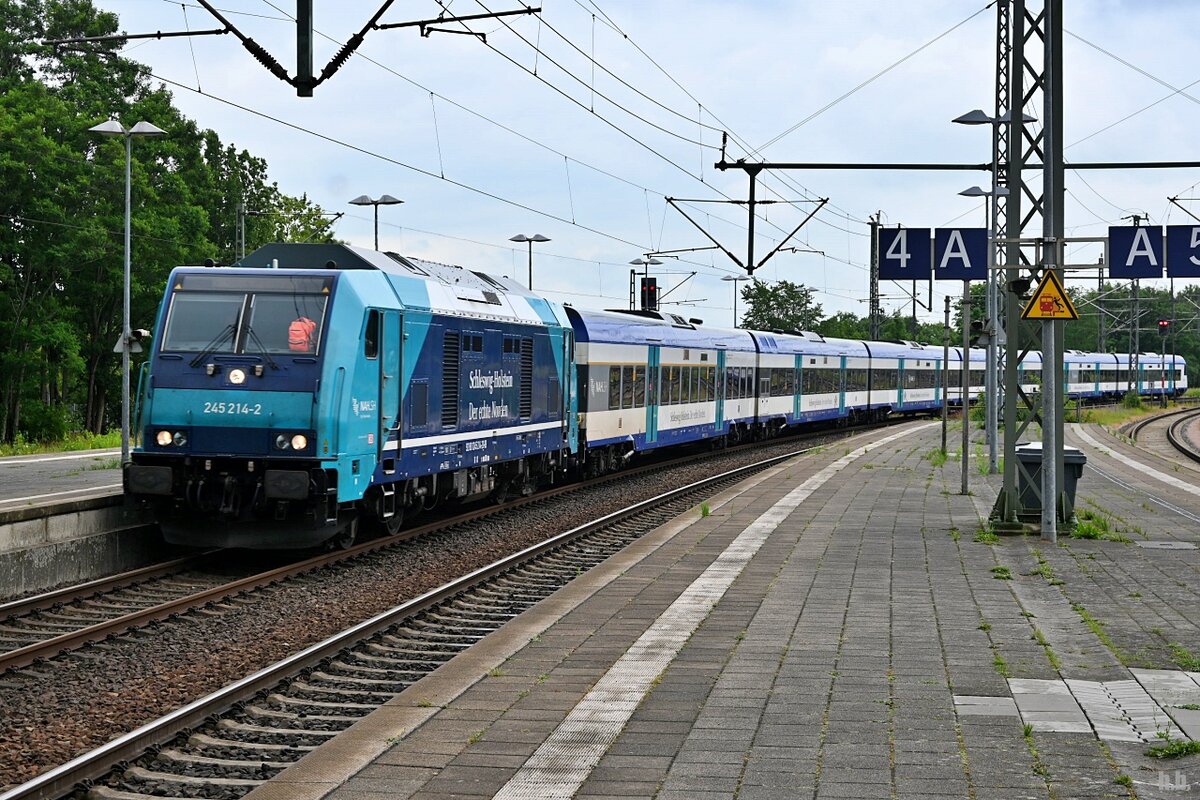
{"x":1189,"y":706}
{"x":474,"y":737}
{"x":78,"y":441}
{"x":955,"y":533}
{"x":937,"y":457}
{"x":1002,"y":573}
{"x":705,"y":510}
{"x":1176,"y":749}
{"x":495,"y":672}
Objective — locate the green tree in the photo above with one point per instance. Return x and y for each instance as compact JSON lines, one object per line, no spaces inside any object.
{"x":782,"y":306}
{"x":62,"y":213}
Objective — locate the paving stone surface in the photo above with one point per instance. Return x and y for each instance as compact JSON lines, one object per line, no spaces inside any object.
{"x":870,"y":648}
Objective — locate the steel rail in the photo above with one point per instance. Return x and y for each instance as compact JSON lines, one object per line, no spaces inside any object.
{"x":58,"y":781}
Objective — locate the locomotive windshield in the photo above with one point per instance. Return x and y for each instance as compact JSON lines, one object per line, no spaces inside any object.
{"x":227,"y":314}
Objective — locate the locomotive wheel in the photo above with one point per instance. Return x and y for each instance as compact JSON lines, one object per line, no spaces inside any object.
{"x":345,"y":537}
{"x":393,"y":524}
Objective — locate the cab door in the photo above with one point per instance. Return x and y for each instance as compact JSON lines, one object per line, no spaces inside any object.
{"x":389,"y":386}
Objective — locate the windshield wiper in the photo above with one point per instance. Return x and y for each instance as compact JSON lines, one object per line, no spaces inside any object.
{"x":212,"y":346}
{"x":262,"y":347}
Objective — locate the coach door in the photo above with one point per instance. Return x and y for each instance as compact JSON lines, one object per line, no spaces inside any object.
{"x":842,"y":385}
{"x":389,"y":386}
{"x":652,"y":393}
{"x":719,"y":390}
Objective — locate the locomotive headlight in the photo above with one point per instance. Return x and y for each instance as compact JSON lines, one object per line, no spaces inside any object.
{"x":180,"y":438}
{"x":163,"y":438}
{"x":281,"y":442}
{"x":237,"y":376}
{"x":299,"y":441}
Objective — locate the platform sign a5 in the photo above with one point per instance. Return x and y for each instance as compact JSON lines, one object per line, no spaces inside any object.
{"x":1183,"y":251}
{"x":905,"y":254}
{"x":1135,"y":252}
{"x":960,"y":254}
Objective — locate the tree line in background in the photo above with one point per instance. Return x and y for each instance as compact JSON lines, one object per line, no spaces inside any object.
{"x":62,"y":214}
{"x":789,"y":306}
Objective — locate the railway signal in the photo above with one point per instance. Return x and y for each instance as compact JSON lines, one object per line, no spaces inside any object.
{"x":650,"y":294}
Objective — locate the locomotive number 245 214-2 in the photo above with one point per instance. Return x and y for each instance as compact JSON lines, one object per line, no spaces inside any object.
{"x":253,"y":409}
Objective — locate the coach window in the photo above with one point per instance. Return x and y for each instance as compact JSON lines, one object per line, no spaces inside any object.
{"x":627,"y":387}
{"x":371,"y":337}
{"x":614,"y":388}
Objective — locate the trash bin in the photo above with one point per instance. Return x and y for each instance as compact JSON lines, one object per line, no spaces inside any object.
{"x":1028,"y":489}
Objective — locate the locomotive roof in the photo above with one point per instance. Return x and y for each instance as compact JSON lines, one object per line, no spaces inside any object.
{"x":417,"y":282}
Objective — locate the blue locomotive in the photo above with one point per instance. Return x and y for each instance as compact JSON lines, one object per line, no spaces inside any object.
{"x":313,"y":386}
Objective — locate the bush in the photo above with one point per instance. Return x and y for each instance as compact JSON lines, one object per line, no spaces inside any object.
{"x":41,"y":423}
{"x":1131,"y":400}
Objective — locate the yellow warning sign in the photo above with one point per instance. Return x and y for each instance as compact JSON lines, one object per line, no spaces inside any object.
{"x":1050,"y":301}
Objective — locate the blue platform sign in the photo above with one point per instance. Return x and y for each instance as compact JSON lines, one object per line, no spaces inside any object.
{"x":1135,"y":252}
{"x":1183,"y":251}
{"x":960,"y":254}
{"x":905,"y":254}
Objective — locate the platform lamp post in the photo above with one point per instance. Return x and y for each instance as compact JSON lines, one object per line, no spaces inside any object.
{"x":521,"y":238}
{"x":114,"y":128}
{"x":384,"y":200}
{"x":735,"y":280}
{"x":992,"y":388}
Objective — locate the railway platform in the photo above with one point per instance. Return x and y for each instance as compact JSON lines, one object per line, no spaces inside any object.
{"x":838,"y":627}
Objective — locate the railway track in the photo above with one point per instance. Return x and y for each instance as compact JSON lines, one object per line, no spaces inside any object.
{"x":35,"y":629}
{"x":1141,"y":424}
{"x":1177,"y":435}
{"x":224,"y":745}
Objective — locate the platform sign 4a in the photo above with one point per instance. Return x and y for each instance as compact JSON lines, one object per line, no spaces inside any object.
{"x":1183,"y":251}
{"x":1050,"y":301}
{"x":905,"y":254}
{"x":1135,"y":252}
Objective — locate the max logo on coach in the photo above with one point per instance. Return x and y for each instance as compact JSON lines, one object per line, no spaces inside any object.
{"x":491,"y":380}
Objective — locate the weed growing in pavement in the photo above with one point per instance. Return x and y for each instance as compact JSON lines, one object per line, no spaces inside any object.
{"x":424,"y":702}
{"x":954,"y":534}
{"x":545,"y":676}
{"x":937,"y":457}
{"x":1027,"y":730}
{"x":705,"y":510}
{"x":984,"y":536}
{"x":1040,"y":638}
{"x":1000,"y":665}
{"x":985,"y":626}
{"x":474,"y":737}
{"x":1097,"y":627}
{"x":1183,"y":658}
{"x":1175,"y":749}
{"x":495,"y":672}
{"x":1002,"y":573}
{"x":1092,"y":525}
{"x":1134,"y":595}
{"x":1189,"y":706}
{"x":1123,"y":780}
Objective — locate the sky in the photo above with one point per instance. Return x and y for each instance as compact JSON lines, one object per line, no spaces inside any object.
{"x":576,"y":123}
